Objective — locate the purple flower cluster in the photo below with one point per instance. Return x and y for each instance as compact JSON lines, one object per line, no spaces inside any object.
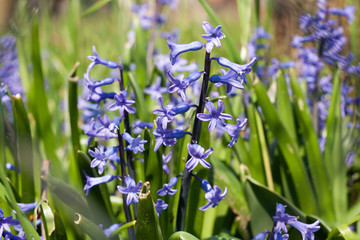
{"x":281,"y":220}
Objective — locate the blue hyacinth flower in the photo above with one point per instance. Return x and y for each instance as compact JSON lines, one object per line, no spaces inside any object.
{"x":93,"y":181}
{"x":212,"y":36}
{"x":98,"y":60}
{"x":132,"y":190}
{"x":177,"y":49}
{"x":214,"y":196}
{"x":198,"y":155}
{"x":160,"y":205}
{"x":134,"y":144}
{"x":241,"y":70}
{"x":214,"y":115}
{"x":122,"y":104}
{"x":166,"y":189}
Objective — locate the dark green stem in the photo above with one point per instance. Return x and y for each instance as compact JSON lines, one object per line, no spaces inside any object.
{"x":127,"y":211}
{"x":186,"y":180}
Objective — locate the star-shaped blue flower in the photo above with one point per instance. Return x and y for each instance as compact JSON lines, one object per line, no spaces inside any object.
{"x":132,"y":190}
{"x":214,"y":115}
{"x":214,"y":196}
{"x":198,"y":155}
{"x":167,"y":188}
{"x":135,"y":144}
{"x":212,"y":36}
{"x":122,"y":104}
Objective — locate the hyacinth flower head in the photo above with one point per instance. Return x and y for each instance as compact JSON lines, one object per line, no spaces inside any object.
{"x":177,"y":49}
{"x":155,"y":90}
{"x":212,"y":36}
{"x":241,"y":70}
{"x":160,"y":205}
{"x":93,"y":181}
{"x":132,"y":190}
{"x":234,"y":130}
{"x":96,"y":59}
{"x":180,"y":84}
{"x":122,"y":104}
{"x":198,"y":155}
{"x":166,"y":189}
{"x":134,"y":144}
{"x":230,"y":78}
{"x":214,"y":196}
{"x":214,"y":115}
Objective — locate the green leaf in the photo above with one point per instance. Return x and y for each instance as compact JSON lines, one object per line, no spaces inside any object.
{"x":147,"y":225}
{"x":182,"y":236}
{"x":60,"y":232}
{"x":333,"y":155}
{"x":24,"y":149}
{"x":342,"y":232}
{"x":245,"y":10}
{"x":47,"y":218}
{"x":317,"y":169}
{"x":95,"y":7}
{"x":262,"y":203}
{"x":303,"y":187}
{"x":38,"y":95}
{"x":142,"y":111}
{"x":90,"y":228}
{"x":225,"y":177}
{"x":73,"y":108}
{"x":68,"y":195}
{"x":153,"y":164}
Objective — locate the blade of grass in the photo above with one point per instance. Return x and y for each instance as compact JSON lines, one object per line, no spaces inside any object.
{"x":37,"y":95}
{"x":95,"y":7}
{"x":317,"y":168}
{"x":333,"y":155}
{"x":289,"y":149}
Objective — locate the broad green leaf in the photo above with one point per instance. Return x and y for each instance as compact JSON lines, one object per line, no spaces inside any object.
{"x":98,"y":198}
{"x":68,"y":195}
{"x":39,"y":104}
{"x":255,"y":163}
{"x":342,"y":232}
{"x":225,"y":177}
{"x":60,"y":231}
{"x":262,"y":203}
{"x":30,"y":232}
{"x":317,"y":169}
{"x":24,"y":148}
{"x":333,"y":155}
{"x":147,"y":225}
{"x":90,"y":228}
{"x":228,"y":43}
{"x":182,"y":236}
{"x":305,"y":194}
{"x":284,"y":106}
{"x":47,"y":218}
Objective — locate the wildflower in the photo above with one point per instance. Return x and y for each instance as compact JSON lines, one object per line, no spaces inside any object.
{"x":241,"y":70}
{"x":171,"y":3}
{"x":261,"y":236}
{"x":91,"y":85}
{"x":214,"y":196}
{"x":5,"y":222}
{"x":165,"y":160}
{"x":98,"y":60}
{"x":233,"y":130}
{"x":131,"y":190}
{"x":98,"y":95}
{"x":160,"y":206}
{"x":212,"y":36}
{"x":9,"y":65}
{"x":177,"y":49}
{"x":347,"y":12}
{"x":281,"y":218}
{"x":214,"y":115}
{"x":169,"y":111}
{"x":179,"y":84}
{"x":108,"y":231}
{"x":135,"y":144}
{"x":162,"y":135}
{"x":306,"y":230}
{"x":27,"y":207}
{"x":229,"y":78}
{"x":93,"y":181}
{"x":101,"y":156}
{"x":122,"y":104}
{"x":167,"y":188}
{"x":205,"y":185}
{"x":107,"y":127}
{"x":155,"y":90}
{"x":198,"y":155}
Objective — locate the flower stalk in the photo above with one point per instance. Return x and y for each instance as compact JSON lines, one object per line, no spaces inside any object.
{"x":186,"y":180}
